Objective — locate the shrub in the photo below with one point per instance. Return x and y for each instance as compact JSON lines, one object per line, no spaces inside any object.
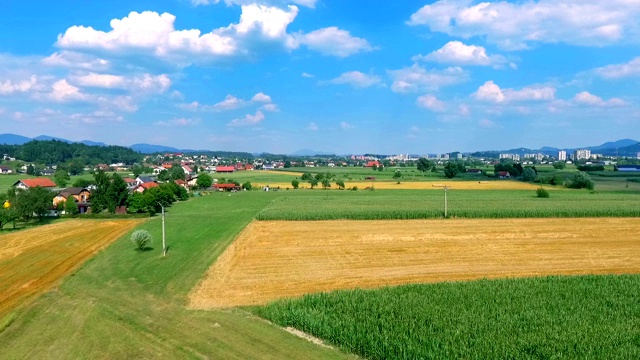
{"x":141,"y":238}
{"x":542,"y":193}
{"x":581,"y":180}
{"x":247,"y":185}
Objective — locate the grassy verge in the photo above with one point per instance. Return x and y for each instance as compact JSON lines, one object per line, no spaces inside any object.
{"x":416,"y":204}
{"x":129,"y":304}
{"x":594,"y":317}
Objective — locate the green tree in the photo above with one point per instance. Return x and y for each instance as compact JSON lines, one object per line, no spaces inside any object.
{"x":99,"y":195}
{"x":424,"y":165}
{"x":83,"y":183}
{"x":204,"y":181}
{"x":453,"y":168}
{"x":374,"y":167}
{"x":6,"y":216}
{"x":33,"y":201}
{"x":177,"y":173}
{"x":164,"y":175}
{"x":287,"y":164}
{"x":559,"y":165}
{"x":137,"y":170}
{"x":340,"y":184}
{"x":117,"y":193}
{"x":31,"y":170}
{"x":528,"y":174}
{"x":581,"y":180}
{"x":313,"y":182}
{"x":326,"y":183}
{"x":75,"y":167}
{"x":71,"y":207}
{"x":61,"y":177}
{"x":397,"y":174}
{"x":247,"y":185}
{"x":306,"y":176}
{"x":295,"y":183}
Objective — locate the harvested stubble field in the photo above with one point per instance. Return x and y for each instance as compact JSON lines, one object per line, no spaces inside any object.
{"x":422,"y":185}
{"x":31,"y":261}
{"x":277,"y":259}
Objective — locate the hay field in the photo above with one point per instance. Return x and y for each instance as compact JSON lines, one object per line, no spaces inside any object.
{"x":422,"y":185}
{"x":32,"y":261}
{"x":278,"y":259}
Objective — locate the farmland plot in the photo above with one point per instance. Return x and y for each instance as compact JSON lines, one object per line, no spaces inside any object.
{"x":278,"y":259}
{"x":31,"y":261}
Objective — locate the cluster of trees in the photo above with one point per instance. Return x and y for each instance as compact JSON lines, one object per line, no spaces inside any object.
{"x":508,"y":165}
{"x":323,"y":179}
{"x":110,"y":193}
{"x":25,"y":205}
{"x":59,"y":152}
{"x":453,"y":168}
{"x":151,"y":200}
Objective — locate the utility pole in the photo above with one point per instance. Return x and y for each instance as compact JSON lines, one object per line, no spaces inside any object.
{"x":445,"y":201}
{"x":164,"y":247}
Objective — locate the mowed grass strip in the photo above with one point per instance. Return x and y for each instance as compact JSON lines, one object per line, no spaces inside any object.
{"x":582,"y":317}
{"x":275,"y":260}
{"x":32,"y":261}
{"x":417,"y":204}
{"x":438,"y":184}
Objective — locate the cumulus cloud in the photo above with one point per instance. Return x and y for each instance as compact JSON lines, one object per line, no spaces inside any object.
{"x":334,"y":41}
{"x":307,"y":75}
{"x":230,"y":102}
{"x":457,"y":53}
{"x":96,"y":117}
{"x":261,"y":97}
{"x":491,"y":92}
{"x":269,"y":107}
{"x":417,"y":78}
{"x":586,"y":98}
{"x":146,"y":83}
{"x":9,"y":87}
{"x":75,"y":60}
{"x":346,"y":126}
{"x":356,"y":79}
{"x":518,"y":25}
{"x":62,"y":91}
{"x":248,"y":120}
{"x":618,"y":71}
{"x":149,"y":34}
{"x":178,"y":122}
{"x":430,"y":102}
{"x":313,"y":127}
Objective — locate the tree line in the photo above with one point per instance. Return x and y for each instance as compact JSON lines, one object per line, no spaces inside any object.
{"x":58,"y":152}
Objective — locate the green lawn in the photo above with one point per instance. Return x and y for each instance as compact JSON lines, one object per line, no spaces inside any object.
{"x":123,"y":304}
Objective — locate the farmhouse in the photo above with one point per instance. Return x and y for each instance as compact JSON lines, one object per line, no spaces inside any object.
{"x":225,"y":169}
{"x":226,"y":187}
{"x":77,"y":194}
{"x":131,"y":183}
{"x":372,"y":163}
{"x":30,"y":183}
{"x":182,"y":183}
{"x":503,"y":174}
{"x":144,"y":186}
{"x":5,"y":169}
{"x":143,"y":179}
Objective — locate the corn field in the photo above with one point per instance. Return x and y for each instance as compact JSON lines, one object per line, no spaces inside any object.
{"x":413,"y":204}
{"x":595,"y":317}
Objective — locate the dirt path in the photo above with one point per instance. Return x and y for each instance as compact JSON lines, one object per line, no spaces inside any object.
{"x":273,"y":260}
{"x":32,"y":261}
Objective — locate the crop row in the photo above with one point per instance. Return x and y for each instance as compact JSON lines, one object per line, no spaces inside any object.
{"x":461,"y":204}
{"x":554,"y":317}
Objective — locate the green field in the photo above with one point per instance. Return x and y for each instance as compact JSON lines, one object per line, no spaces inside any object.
{"x":126,"y":304}
{"x":417,"y":204}
{"x":588,"y":317}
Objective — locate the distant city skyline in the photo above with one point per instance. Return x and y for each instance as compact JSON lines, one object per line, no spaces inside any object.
{"x":335,"y":76}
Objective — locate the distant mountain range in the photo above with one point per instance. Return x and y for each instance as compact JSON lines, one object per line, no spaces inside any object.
{"x":624,"y":147}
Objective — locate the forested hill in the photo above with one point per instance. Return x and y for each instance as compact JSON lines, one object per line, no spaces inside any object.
{"x":56,"y":152}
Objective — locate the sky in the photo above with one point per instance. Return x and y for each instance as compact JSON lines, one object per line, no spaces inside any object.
{"x":339,"y":76}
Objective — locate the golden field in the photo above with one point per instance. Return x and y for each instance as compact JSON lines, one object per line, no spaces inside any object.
{"x":278,"y":259}
{"x":421,"y":185}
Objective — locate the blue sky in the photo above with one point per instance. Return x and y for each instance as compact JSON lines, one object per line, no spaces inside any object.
{"x":341,"y":76}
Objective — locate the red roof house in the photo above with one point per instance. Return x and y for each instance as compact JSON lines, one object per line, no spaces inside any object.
{"x":371,"y":163}
{"x":226,"y":187}
{"x":144,"y":186}
{"x":30,"y":183}
{"x":225,"y":169}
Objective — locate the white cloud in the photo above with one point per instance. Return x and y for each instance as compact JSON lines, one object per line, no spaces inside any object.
{"x":307,"y":3}
{"x":417,"y":78}
{"x":491,"y":92}
{"x":464,"y":110}
{"x":230,"y":102}
{"x":307,"y":75}
{"x":181,"y":122}
{"x":149,"y":34}
{"x":618,"y":71}
{"x":335,"y":42}
{"x":346,"y":126}
{"x":96,"y":117}
{"x":248,"y":120}
{"x":313,"y":127}
{"x":261,"y":97}
{"x":62,"y":91}
{"x":9,"y":87}
{"x":269,"y":107}
{"x":457,"y":53}
{"x":487,"y":124}
{"x":430,"y":102}
{"x":356,"y":79}
{"x":586,"y":98}
{"x":75,"y":60}
{"x":518,"y":25}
